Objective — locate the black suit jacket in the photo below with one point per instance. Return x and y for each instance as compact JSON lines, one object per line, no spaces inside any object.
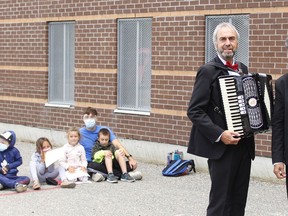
{"x":208,"y":125}
{"x":280,"y":121}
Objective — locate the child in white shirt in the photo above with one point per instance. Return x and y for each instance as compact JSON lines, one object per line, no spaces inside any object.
{"x":74,"y":161}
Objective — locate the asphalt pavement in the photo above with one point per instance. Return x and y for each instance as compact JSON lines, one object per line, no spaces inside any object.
{"x":153,"y":195}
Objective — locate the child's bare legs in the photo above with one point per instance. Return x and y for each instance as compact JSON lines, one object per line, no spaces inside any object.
{"x":122,"y":163}
{"x":108,"y":163}
{"x":121,"y":160}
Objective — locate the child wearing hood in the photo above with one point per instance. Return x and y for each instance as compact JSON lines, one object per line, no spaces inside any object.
{"x":10,"y":160}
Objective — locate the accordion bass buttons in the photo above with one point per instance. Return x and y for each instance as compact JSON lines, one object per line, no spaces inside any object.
{"x":241,"y":103}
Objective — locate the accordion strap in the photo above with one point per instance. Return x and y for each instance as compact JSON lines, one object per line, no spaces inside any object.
{"x":224,"y":67}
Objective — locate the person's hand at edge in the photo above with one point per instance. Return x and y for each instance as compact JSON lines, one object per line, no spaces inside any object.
{"x":279,"y":170}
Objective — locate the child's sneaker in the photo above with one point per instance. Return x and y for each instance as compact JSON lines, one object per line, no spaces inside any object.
{"x":97,"y":177}
{"x":137,"y":175}
{"x":126,"y":177}
{"x":67,"y":184}
{"x":20,"y":188}
{"x":1,"y":186}
{"x":36,"y":185}
{"x":112,"y":178}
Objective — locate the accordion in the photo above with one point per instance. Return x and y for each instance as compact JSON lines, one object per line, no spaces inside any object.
{"x":247,"y":102}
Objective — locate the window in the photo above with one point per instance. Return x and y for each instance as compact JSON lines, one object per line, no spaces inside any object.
{"x":241,"y":22}
{"x":61,"y":63}
{"x":134,"y":65}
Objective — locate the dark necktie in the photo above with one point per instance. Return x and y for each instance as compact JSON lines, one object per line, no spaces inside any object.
{"x":234,"y":67}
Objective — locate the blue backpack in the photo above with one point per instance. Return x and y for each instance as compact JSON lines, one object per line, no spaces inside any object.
{"x":179,"y":167}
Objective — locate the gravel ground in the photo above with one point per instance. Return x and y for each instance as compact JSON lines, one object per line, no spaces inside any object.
{"x":153,"y":195}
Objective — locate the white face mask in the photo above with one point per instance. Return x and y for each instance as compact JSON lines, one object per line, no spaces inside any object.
{"x":90,"y":122}
{"x":3,"y":147}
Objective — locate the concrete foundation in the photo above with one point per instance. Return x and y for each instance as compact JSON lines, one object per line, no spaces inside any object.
{"x":144,"y":151}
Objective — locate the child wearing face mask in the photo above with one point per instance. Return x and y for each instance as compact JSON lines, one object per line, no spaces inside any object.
{"x":74,"y":162}
{"x":38,"y":170}
{"x":10,"y":160}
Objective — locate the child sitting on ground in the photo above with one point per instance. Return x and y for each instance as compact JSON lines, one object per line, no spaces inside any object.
{"x":74,"y":161}
{"x":10,"y":160}
{"x":105,"y":152}
{"x":39,"y":172}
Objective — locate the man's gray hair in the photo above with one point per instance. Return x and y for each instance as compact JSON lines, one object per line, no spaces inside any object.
{"x":220,"y":26}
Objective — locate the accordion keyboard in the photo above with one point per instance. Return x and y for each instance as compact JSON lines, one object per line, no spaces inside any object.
{"x":233,"y":104}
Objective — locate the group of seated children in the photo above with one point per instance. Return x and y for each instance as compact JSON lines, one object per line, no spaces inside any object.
{"x":72,"y":166}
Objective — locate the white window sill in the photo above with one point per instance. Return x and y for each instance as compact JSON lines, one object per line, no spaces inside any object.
{"x":132,"y":112}
{"x":59,"y":105}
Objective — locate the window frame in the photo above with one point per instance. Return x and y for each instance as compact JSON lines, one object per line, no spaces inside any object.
{"x":142,"y":51}
{"x":61,"y":58}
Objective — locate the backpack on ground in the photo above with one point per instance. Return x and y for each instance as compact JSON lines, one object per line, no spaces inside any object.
{"x":179,"y":167}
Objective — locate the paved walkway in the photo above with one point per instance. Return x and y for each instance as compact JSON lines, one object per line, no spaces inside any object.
{"x":155,"y":195}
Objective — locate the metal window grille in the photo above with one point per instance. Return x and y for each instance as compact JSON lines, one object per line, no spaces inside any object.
{"x":61,"y":63}
{"x":241,"y":22}
{"x":134,"y":64}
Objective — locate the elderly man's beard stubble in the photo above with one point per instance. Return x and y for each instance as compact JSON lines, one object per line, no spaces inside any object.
{"x":227,"y":54}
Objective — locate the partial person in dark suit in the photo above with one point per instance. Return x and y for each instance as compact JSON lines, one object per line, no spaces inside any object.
{"x":280,"y":129}
{"x":229,"y":156}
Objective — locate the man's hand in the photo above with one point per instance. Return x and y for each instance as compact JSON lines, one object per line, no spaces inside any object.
{"x":230,"y":137}
{"x":132,"y":163}
{"x":279,"y":170}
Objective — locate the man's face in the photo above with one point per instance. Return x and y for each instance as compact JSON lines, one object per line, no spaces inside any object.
{"x":90,"y":121}
{"x":227,"y":43}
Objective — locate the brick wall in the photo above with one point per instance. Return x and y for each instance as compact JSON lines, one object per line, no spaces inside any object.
{"x":178,"y":42}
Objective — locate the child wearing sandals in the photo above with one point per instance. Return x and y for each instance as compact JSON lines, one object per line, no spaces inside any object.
{"x":74,"y":162}
{"x":38,"y":170}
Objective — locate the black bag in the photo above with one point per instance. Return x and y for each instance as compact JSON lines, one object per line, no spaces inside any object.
{"x":179,"y":167}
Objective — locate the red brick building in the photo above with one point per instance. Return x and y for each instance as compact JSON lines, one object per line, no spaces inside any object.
{"x":31,"y":66}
